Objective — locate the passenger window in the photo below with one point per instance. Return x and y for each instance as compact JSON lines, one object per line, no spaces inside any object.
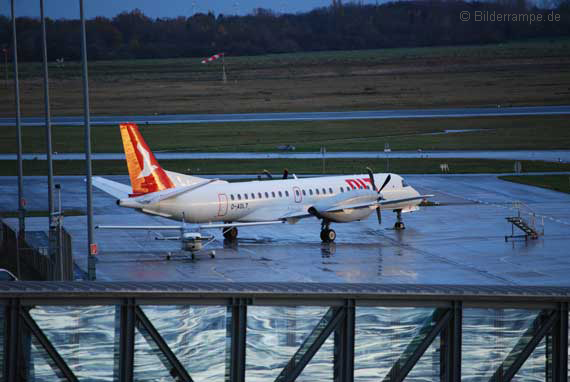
{"x":253,"y":195}
{"x":267,"y":195}
{"x":280,"y":194}
{"x":239,"y":196}
{"x":341,"y":189}
{"x":287,"y":193}
{"x":259,"y":195}
{"x":297,"y":193}
{"x":273,"y":193}
{"x":330,"y":190}
{"x":232,"y":196}
{"x":304,"y":193}
{"x":317,"y":191}
{"x":245,"y":196}
{"x":324,"y":191}
{"x":311,"y":192}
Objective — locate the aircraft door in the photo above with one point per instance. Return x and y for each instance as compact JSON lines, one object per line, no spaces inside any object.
{"x":297,"y":194}
{"x":222,"y":204}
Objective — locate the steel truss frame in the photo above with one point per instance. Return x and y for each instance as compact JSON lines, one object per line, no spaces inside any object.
{"x":445,"y":323}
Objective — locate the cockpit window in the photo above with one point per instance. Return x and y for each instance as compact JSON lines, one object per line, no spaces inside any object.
{"x":404,"y":184}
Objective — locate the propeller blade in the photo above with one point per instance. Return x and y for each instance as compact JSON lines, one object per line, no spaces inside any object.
{"x":379,"y":214}
{"x":285,"y":173}
{"x":385,"y":182}
{"x":371,"y":175}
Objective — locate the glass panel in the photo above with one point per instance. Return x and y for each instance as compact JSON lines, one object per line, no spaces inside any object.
{"x":489,"y":335}
{"x":321,"y":367}
{"x":40,"y":368}
{"x":84,"y":336}
{"x":428,"y":367}
{"x":533,"y":370}
{"x":147,"y":364}
{"x":381,"y":337}
{"x":274,"y":334}
{"x":2,"y":331}
{"x":196,"y":335}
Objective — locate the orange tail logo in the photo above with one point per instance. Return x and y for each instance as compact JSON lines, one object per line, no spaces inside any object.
{"x":145,"y":172}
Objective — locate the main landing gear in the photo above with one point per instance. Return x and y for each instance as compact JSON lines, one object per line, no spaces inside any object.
{"x":327,"y":234}
{"x":231,"y":233}
{"x":399,"y":222}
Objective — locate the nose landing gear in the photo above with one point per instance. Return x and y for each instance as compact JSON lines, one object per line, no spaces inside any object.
{"x":399,"y":222}
{"x":328,"y":235}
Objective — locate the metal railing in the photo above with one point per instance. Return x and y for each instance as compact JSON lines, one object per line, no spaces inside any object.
{"x":35,"y":316}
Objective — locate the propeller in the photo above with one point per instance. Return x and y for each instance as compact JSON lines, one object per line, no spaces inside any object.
{"x":285,"y":173}
{"x":371,"y":175}
{"x":268,"y":174}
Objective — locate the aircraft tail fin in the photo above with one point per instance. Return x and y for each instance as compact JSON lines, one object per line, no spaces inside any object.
{"x":145,"y":172}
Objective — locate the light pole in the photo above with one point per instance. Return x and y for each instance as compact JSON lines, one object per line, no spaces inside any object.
{"x":91,"y":246}
{"x":21,"y":201}
{"x":51,"y":249}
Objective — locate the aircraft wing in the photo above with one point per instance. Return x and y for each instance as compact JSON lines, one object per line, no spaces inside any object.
{"x":396,"y":201}
{"x":236,"y":224}
{"x":115,"y":189}
{"x":277,"y":213}
{"x":375,"y":204}
{"x":352,"y":206}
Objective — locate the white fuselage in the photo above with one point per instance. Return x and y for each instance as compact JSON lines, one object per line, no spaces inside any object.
{"x":251,"y":201}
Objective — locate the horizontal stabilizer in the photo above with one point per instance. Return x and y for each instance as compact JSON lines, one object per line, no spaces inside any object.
{"x":158,"y":196}
{"x":115,"y":189}
{"x":181,"y":180}
{"x":141,"y":227}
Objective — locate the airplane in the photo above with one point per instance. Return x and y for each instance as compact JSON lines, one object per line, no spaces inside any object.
{"x":218,"y":204}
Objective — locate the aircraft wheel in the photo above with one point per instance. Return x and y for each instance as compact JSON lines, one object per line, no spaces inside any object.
{"x":399,"y":225}
{"x":328,"y":235}
{"x":231,"y":234}
{"x":331,"y":235}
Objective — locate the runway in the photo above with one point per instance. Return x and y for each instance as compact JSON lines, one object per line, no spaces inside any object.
{"x":461,"y":241}
{"x":306,"y":116}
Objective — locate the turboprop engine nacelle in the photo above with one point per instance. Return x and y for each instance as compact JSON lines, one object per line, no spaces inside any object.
{"x":342,"y":208}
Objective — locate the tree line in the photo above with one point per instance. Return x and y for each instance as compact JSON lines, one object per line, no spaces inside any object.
{"x":336,"y":27}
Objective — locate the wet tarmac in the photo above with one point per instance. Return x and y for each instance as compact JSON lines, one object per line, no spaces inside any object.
{"x":460,"y":241}
{"x":543,"y":155}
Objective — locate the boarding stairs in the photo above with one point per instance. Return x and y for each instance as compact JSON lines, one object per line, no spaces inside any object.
{"x":526,"y":221}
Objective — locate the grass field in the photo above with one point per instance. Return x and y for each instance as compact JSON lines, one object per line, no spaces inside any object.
{"x":298,"y":166}
{"x":519,"y":73}
{"x":487,"y":133}
{"x":552,"y":182}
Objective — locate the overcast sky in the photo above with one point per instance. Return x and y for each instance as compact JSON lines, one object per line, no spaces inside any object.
{"x":69,"y":9}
